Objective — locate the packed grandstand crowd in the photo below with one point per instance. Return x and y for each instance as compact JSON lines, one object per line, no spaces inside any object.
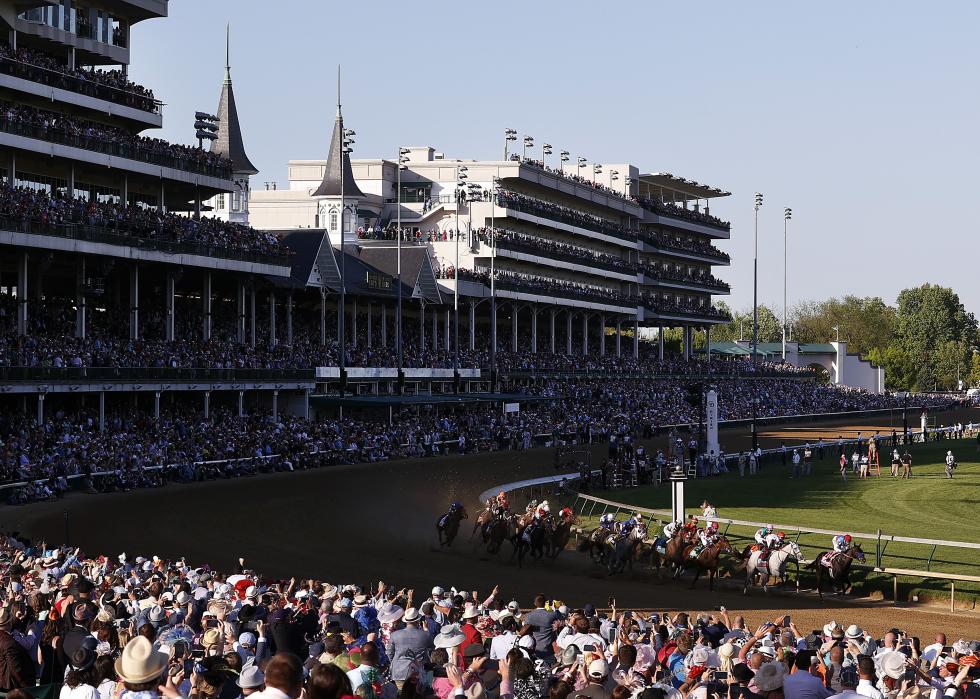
{"x":41,"y":67}
{"x":92,"y":135}
{"x":136,"y":627}
{"x":38,"y":207}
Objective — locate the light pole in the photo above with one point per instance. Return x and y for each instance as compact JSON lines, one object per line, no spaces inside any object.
{"x":629,"y":186}
{"x":460,"y":193}
{"x":596,"y":169}
{"x":494,"y":192}
{"x":613,"y":177}
{"x":347,"y":137}
{"x":563,"y":157}
{"x":509,"y":135}
{"x":545,"y":152}
{"x":528,"y":143}
{"x":787,"y":215}
{"x":755,"y":316}
{"x":581,"y":164}
{"x":402,"y":159}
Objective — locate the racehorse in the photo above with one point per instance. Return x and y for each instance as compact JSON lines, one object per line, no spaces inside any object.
{"x":448,"y":526}
{"x":485,"y":515}
{"x":775,"y":565}
{"x":560,"y":536}
{"x":620,"y":551}
{"x":840,"y":569}
{"x":595,"y":543}
{"x":497,"y":532}
{"x":532,"y":539}
{"x":675,"y":552}
{"x":707,"y":559}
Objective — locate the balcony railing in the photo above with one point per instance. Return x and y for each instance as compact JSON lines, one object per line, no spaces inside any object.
{"x":146,"y":154}
{"x":135,"y":238}
{"x":71,"y":83}
{"x":676,"y":309}
{"x":566,"y":253}
{"x":554,"y":212}
{"x":137,"y":374}
{"x":663,"y":209}
{"x":706,"y":281}
{"x":704,"y":250}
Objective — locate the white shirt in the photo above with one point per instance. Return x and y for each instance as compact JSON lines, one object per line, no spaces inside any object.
{"x":82,"y":691}
{"x":929,"y":653}
{"x":866,"y":689}
{"x":582,"y":640}
{"x":501,"y":645}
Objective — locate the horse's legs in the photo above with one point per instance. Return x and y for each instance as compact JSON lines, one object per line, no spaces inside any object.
{"x":697,"y":575}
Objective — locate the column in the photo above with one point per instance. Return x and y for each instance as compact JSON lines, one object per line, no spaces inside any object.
{"x":306,"y":402}
{"x":134,"y":302}
{"x":162,"y":197}
{"x":40,"y":408}
{"x":156,"y":406}
{"x":323,"y":317}
{"x":552,"y":324}
{"x":513,"y":327}
{"x":206,"y":320}
{"x":421,"y":325}
{"x":168,"y":320}
{"x":534,"y":329}
{"x":207,"y":405}
{"x":275,"y":404}
{"x":370,"y":328}
{"x":22,"y":295}
{"x":568,"y":323}
{"x":252,"y":329}
{"x":636,"y":339}
{"x":585,"y":333}
{"x":289,"y":318}
{"x":660,"y":341}
{"x":472,"y":325}
{"x":353,"y":322}
{"x":81,"y":302}
{"x":240,"y":300}
{"x":446,"y":334}
{"x":686,"y":341}
{"x":707,"y":343}
{"x":435,"y":331}
{"x":384,"y":325}
{"x":619,"y":338}
{"x":241,"y":404}
{"x":272,"y":319}
{"x":125,"y":190}
{"x":602,"y":334}
{"x":101,"y":411}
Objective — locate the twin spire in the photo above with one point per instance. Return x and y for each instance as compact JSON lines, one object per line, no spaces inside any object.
{"x":338,"y":162}
{"x":229,"y":142}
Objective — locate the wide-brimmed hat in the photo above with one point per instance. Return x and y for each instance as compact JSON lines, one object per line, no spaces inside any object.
{"x":411,"y":615}
{"x":157,"y":615}
{"x":218,"y":606}
{"x":769,"y":676}
{"x":892,"y":664}
{"x":961,"y":647}
{"x":360,"y":600}
{"x":474,"y":650}
{"x":471,"y":611}
{"x":250,"y":677}
{"x":140,"y":662}
{"x":83,"y":658}
{"x":83,"y":612}
{"x":449,"y":637}
{"x":767,"y":649}
{"x":598,"y":669}
{"x":211,"y":637}
{"x":854,"y":632}
{"x":833,"y":630}
{"x":390,"y":613}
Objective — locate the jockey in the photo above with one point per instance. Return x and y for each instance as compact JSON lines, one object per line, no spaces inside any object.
{"x":631,"y":524}
{"x":691,"y":528}
{"x":544,"y":509}
{"x":455,"y":507}
{"x":607,"y":521}
{"x":708,"y":535}
{"x":566,"y":515}
{"x":775,"y":541}
{"x":762,"y":534}
{"x":672,"y":528}
{"x":502,"y":503}
{"x":842,"y":543}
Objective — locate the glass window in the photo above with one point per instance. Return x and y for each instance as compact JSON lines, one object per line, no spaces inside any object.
{"x":221,"y":202}
{"x":333,"y":220}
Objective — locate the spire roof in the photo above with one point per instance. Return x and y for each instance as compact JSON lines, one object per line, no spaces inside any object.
{"x":338,"y":162}
{"x":229,"y":142}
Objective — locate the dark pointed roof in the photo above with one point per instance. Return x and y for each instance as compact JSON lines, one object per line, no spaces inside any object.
{"x":229,"y":142}
{"x":337,"y":160}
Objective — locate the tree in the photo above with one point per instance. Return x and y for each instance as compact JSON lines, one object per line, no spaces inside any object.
{"x":975,"y":369}
{"x":865,"y":323}
{"x":900,"y":368}
{"x":951,"y":363}
{"x":929,"y":316}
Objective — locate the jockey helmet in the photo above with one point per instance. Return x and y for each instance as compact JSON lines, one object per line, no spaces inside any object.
{"x":769,"y":527}
{"x":781,"y":535}
{"x":713,"y":526}
{"x":502,"y":495}
{"x":456,"y":506}
{"x":638,"y":517}
{"x":565,"y":511}
{"x":847,"y":538}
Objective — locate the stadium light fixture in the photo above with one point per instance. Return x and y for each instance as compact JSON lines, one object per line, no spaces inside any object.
{"x":509,"y":135}
{"x":787,"y":215}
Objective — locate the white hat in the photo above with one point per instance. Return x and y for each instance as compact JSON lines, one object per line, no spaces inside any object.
{"x":699,"y":656}
{"x":251,"y":592}
{"x":526,"y":642}
{"x":854,"y":632}
{"x":892,"y":664}
{"x":769,"y":676}
{"x":598,"y":669}
{"x":437,"y":592}
{"x":411,"y":615}
{"x":251,"y":677}
{"x":766,"y":648}
{"x":140,"y":662}
{"x":390,"y":613}
{"x":449,"y":637}
{"x":471,"y":611}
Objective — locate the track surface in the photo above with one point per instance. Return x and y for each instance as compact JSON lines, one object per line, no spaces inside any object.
{"x":366,"y":523}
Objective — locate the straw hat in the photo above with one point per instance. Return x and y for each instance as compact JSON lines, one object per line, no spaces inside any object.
{"x":140,"y":661}
{"x":892,"y":664}
{"x":449,"y":637}
{"x":769,"y":676}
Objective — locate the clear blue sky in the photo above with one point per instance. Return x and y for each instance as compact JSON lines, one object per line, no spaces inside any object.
{"x":862,"y":117}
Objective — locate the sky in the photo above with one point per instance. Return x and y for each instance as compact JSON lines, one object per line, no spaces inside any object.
{"x":861,"y":117}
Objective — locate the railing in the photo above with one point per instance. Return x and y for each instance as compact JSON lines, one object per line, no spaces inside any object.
{"x":205,"y":375}
{"x":559,"y":291}
{"x":71,"y":83}
{"x":135,"y":237}
{"x":567,"y":218}
{"x":662,"y":209}
{"x":516,"y":244}
{"x":700,"y":312}
{"x":146,"y":154}
{"x":708,"y":251}
{"x":707,"y":282}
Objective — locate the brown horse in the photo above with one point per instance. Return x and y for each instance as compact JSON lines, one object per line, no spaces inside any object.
{"x":448,"y":525}
{"x":839,"y":573}
{"x":560,"y":536}
{"x":707,"y":559}
{"x":674,"y":555}
{"x":485,"y":515}
{"x":497,"y":532}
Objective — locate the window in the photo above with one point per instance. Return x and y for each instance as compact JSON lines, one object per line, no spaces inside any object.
{"x":236,"y":201}
{"x":220,"y":205}
{"x":333,"y":219}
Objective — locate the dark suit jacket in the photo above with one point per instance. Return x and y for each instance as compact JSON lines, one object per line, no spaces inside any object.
{"x":16,"y":668}
{"x":405,"y":647}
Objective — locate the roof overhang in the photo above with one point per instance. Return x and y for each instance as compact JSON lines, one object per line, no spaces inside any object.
{"x":687,"y":189}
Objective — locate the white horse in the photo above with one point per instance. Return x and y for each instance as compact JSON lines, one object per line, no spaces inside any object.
{"x":777,"y":565}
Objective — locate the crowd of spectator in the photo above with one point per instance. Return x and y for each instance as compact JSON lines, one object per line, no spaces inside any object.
{"x":535,"y":245}
{"x":700,"y":307}
{"x":545,"y":286}
{"x":74,"y":131}
{"x":130,"y":626}
{"x":38,"y":206}
{"x":112,"y":85}
{"x":669,"y":272}
{"x":578,"y":179}
{"x":664,"y":209}
{"x":557,"y":212}
{"x":701,"y":247}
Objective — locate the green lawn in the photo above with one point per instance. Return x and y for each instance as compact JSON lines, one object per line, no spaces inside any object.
{"x":928,"y":506}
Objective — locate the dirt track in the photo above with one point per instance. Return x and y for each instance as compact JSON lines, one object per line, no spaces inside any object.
{"x":369,"y":522}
